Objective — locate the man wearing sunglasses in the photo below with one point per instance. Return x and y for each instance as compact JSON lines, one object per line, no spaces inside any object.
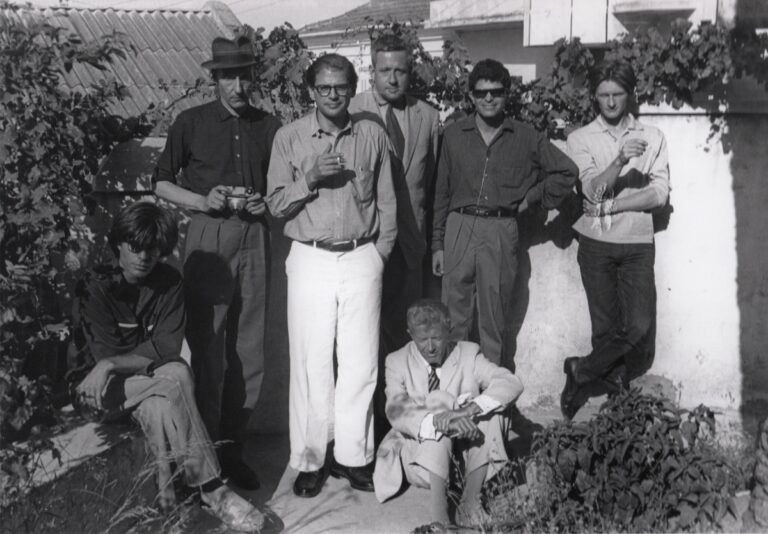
{"x":330,"y":177}
{"x":215,"y":148}
{"x":490,"y":169}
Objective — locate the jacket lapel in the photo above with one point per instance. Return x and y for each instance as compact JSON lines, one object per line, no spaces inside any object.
{"x":418,"y":370}
{"x":414,"y":120}
{"x":450,"y":367}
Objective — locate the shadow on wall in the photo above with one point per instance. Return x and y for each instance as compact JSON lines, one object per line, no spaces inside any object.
{"x":745,"y":138}
{"x":750,"y":191}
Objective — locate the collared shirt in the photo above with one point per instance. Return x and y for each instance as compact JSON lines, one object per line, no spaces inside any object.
{"x":358,"y":202}
{"x":594,"y":147}
{"x":145,"y":319}
{"x":520,"y":163}
{"x":215,"y":147}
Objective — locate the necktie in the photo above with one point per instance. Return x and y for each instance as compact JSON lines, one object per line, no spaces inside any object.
{"x":434,"y":381}
{"x":395,"y":132}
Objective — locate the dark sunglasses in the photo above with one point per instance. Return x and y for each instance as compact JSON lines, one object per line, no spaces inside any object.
{"x":495,"y":93}
{"x":325,"y":90}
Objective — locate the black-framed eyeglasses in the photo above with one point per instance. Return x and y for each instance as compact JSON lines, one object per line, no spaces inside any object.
{"x":325,"y":90}
{"x":480,"y":94}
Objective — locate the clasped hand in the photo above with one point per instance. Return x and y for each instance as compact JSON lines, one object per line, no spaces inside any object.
{"x":457,"y":424}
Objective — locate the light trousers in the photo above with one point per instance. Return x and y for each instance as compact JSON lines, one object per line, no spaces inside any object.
{"x":164,"y":406}
{"x":429,"y":456}
{"x":334,"y":301}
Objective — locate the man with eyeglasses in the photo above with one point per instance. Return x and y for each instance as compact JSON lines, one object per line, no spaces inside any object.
{"x":491,"y":168}
{"x":330,"y":177}
{"x":223,"y":150}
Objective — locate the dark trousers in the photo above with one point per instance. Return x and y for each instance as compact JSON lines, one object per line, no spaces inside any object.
{"x":480,"y":267}
{"x":402,"y":286}
{"x":225,"y":276}
{"x":621,"y":294}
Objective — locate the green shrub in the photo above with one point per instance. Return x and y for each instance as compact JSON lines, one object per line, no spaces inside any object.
{"x":641,"y":464}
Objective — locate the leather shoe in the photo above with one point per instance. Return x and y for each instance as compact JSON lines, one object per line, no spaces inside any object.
{"x":568,"y":404}
{"x":238,"y":472}
{"x":234,"y":511}
{"x":309,"y":483}
{"x":360,"y":478}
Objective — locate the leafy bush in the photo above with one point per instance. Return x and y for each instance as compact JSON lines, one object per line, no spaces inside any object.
{"x":641,"y":464}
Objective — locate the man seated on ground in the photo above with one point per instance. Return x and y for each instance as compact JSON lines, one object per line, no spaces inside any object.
{"x":442,"y":395}
{"x":132,"y":318}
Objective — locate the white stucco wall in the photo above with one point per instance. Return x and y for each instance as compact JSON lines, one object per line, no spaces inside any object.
{"x":701,"y":263}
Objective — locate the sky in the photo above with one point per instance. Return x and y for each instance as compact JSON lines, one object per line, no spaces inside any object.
{"x":265,"y":13}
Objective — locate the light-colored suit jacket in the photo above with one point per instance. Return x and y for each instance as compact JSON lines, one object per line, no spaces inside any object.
{"x":415,"y":174}
{"x":465,"y":371}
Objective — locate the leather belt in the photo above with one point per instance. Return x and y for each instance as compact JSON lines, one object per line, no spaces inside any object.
{"x":340,"y":246}
{"x":487,"y":211}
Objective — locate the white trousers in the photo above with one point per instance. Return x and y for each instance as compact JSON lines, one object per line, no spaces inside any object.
{"x":332,"y":296}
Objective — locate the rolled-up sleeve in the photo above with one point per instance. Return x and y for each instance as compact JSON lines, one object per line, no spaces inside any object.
{"x":287,"y":189}
{"x":558,"y":177}
{"x":583,"y":157}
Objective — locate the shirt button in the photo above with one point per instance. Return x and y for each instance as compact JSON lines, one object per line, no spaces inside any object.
{"x":237,"y":137}
{"x":237,"y":155}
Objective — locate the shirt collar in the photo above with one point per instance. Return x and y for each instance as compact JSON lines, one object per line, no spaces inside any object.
{"x":223,"y":113}
{"x":314,"y":126}
{"x":630,"y":123}
{"x":468,"y":123}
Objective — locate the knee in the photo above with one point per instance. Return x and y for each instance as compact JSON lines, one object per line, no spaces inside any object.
{"x":179,"y":374}
{"x":150,"y":412}
{"x":638,"y":329}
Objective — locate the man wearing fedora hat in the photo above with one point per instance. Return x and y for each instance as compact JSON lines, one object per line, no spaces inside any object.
{"x":222,"y":149}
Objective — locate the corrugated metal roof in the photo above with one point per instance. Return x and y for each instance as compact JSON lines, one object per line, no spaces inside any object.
{"x":169,"y":47}
{"x":401,"y":10}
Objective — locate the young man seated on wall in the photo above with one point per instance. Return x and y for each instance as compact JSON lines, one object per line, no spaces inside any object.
{"x":441,"y":396}
{"x":132,"y":318}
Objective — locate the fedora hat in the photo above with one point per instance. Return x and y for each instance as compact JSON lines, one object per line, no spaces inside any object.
{"x":228,"y":54}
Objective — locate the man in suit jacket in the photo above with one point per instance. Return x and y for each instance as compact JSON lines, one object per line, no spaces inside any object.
{"x":442,"y":394}
{"x":412,"y":126}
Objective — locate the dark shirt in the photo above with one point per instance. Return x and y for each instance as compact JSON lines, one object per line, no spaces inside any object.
{"x":520,"y":163}
{"x":118,"y":318}
{"x":216,"y":148}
